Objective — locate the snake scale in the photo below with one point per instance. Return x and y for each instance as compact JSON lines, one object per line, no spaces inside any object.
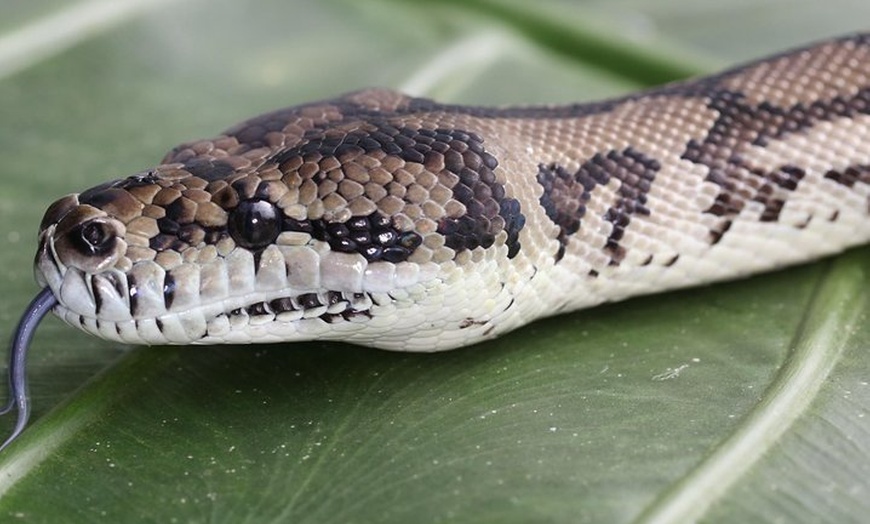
{"x":405,"y":224}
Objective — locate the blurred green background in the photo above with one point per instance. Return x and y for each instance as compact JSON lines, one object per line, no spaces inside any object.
{"x":741,"y":402}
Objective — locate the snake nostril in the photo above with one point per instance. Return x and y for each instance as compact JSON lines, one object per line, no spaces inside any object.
{"x":88,"y":239}
{"x":95,"y":237}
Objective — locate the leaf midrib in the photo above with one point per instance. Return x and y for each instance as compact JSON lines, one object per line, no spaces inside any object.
{"x":817,"y":346}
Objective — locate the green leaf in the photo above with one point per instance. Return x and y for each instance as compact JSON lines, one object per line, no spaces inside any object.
{"x":745,"y":401}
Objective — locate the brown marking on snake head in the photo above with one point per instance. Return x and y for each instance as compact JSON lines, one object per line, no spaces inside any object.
{"x":209,"y":169}
{"x":286,"y":128}
{"x":426,"y":180}
{"x":376,"y":236}
{"x":115,"y":202}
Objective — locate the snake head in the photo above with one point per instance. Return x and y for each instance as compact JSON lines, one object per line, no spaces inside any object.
{"x":326,"y":221}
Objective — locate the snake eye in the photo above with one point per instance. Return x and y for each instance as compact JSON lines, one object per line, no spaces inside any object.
{"x":254,"y":224}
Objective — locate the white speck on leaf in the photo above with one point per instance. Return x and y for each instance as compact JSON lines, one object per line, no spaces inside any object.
{"x":670,"y":373}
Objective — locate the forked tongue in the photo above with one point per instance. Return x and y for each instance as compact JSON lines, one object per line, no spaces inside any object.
{"x":18,"y":399}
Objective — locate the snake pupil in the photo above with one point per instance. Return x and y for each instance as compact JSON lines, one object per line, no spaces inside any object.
{"x":254,"y":224}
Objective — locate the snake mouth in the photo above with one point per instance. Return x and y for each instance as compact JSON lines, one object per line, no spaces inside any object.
{"x":299,"y":294}
{"x":103,"y":304}
{"x":329,"y":306}
{"x":305,"y":312}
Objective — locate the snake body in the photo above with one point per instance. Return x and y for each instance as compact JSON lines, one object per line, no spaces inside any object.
{"x":401,"y":223}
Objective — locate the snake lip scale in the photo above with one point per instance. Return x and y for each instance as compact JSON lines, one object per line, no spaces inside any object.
{"x":402,"y":223}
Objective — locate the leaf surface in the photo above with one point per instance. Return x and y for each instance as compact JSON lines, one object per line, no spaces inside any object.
{"x":745,"y":401}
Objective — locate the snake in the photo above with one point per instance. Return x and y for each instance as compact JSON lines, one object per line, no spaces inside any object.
{"x":401,"y":223}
